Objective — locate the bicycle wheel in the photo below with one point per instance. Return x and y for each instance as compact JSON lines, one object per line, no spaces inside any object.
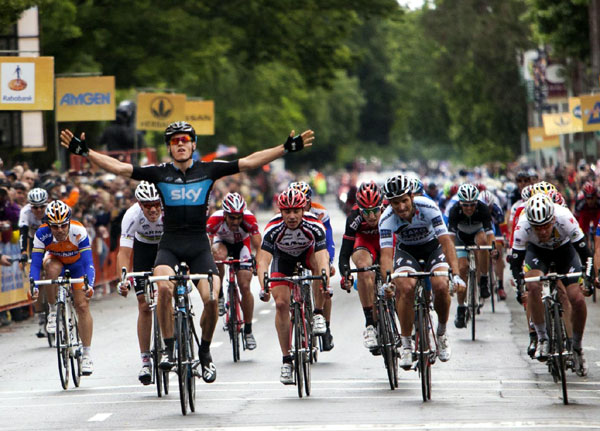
{"x":559,"y":347}
{"x":306,"y":362}
{"x":394,"y":337}
{"x":492,"y":285}
{"x":472,"y":302}
{"x":313,"y":340}
{"x":297,"y":325}
{"x":550,"y":331}
{"x":423,"y":352}
{"x":157,"y":373}
{"x":62,"y":345}
{"x":384,"y":340}
{"x":180,"y":340}
{"x":233,"y":326}
{"x":75,"y":352}
{"x":191,"y":356}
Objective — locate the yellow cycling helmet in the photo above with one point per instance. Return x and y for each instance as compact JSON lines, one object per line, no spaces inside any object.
{"x":58,"y":212}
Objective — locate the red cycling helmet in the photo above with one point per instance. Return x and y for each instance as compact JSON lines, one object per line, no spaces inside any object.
{"x":589,"y":189}
{"x":556,"y":197}
{"x":368,"y":195}
{"x":481,"y":187}
{"x":291,"y":198}
{"x":453,"y":189}
{"x":234,"y":203}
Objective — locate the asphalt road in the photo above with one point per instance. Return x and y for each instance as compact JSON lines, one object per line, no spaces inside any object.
{"x":488,"y":384}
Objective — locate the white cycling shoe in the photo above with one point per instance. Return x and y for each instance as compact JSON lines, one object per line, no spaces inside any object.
{"x":287,"y":374}
{"x":406,"y":358}
{"x":444,"y":350}
{"x":370,"y":337}
{"x":319,"y":325}
{"x":51,"y":325}
{"x":87,"y":366}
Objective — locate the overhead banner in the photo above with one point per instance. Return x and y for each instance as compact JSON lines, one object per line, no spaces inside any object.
{"x":85,"y":99}
{"x":155,"y":111}
{"x":560,"y":124}
{"x":590,"y":112}
{"x":26,"y":83}
{"x":201,"y":115}
{"x":538,"y":139}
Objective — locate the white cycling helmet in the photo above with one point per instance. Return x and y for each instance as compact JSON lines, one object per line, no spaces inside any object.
{"x":486,"y":197}
{"x":467,"y":192}
{"x":37,"y":196}
{"x":527,"y":192}
{"x":146,"y":192}
{"x":234,"y":203}
{"x":540,"y":209}
{"x":58,"y":213}
{"x":397,"y":186}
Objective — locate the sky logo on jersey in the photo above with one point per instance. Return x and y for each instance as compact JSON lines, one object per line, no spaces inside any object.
{"x":185,"y":194}
{"x":71,"y":99}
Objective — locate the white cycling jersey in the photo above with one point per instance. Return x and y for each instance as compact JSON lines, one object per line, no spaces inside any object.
{"x":136,"y":225}
{"x":425,"y":225}
{"x":26,"y":218}
{"x":566,"y":229}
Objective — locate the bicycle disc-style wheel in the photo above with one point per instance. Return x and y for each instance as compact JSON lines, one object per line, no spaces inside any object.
{"x":306,"y":362}
{"x":157,"y":373}
{"x":191,"y":356}
{"x":180,"y":334}
{"x":385,"y":342}
{"x":558,"y":357}
{"x":62,"y":343}
{"x":75,"y":351}
{"x":297,"y":325}
{"x":472,"y":303}
{"x":423,"y":353}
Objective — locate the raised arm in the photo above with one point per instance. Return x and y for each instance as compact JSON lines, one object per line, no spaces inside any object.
{"x":110,"y":164}
{"x":261,"y":158}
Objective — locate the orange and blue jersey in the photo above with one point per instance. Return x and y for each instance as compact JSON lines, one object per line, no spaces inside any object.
{"x":319,"y":210}
{"x":75,"y":252}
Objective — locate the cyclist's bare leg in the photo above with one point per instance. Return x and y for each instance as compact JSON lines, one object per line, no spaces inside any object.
{"x":405,"y":300}
{"x":316,"y":287}
{"x":164,"y":306}
{"x":482,"y":256}
{"x":364,"y":280}
{"x":281,"y":296}
{"x":441,"y":294}
{"x":499,"y":261}
{"x":244,"y":277}
{"x":327,"y":307}
{"x":53,"y":268}
{"x":463,"y":269}
{"x":84,"y":317}
{"x":210,"y":314}
{"x":535,"y":308}
{"x":577,"y":308}
{"x":219,"y":252}
{"x":144,"y":324}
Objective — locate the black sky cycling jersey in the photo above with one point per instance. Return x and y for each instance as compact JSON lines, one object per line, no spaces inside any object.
{"x":459,"y":222}
{"x":185,"y":195}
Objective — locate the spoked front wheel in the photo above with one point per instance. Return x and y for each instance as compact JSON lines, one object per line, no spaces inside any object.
{"x":182,"y":362}
{"x":306,"y":359}
{"x":75,"y":351}
{"x":472,"y":303}
{"x":424,"y":350}
{"x":157,"y":373}
{"x":234,"y":329}
{"x":557,"y":351}
{"x":191,"y":349}
{"x":62,"y":345}
{"x":384,"y":339}
{"x":298,"y":357}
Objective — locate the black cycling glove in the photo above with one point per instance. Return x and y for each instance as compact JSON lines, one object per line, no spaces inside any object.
{"x":79,"y":147}
{"x":293,"y":144}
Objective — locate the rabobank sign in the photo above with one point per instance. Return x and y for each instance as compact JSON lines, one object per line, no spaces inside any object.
{"x":79,"y":99}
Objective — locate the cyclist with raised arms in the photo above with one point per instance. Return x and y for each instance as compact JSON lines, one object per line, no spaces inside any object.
{"x":141,"y":230}
{"x":291,"y":237}
{"x":470,"y":223}
{"x":361,"y":243}
{"x":184,"y":186}
{"x":59,"y":245}
{"x":30,"y":219}
{"x":234,"y":232}
{"x":548,"y":233}
{"x":322,"y":310}
{"x":420,"y":235}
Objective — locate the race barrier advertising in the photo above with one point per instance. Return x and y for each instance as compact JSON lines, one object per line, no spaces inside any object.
{"x":27,"y":83}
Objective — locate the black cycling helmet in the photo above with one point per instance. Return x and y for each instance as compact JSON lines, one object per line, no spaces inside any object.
{"x":179,"y":127}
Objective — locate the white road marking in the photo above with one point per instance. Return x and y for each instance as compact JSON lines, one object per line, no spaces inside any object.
{"x":99,"y":417}
{"x":408,"y":427}
{"x":264,"y":311}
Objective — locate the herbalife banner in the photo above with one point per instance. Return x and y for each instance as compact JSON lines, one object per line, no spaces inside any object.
{"x":26,"y":83}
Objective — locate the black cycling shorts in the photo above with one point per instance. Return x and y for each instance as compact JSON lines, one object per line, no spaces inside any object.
{"x":565,"y":259}
{"x":192,"y":248}
{"x":234,"y":250}
{"x":143,"y":260}
{"x":284,"y":264}
{"x":407,"y":257}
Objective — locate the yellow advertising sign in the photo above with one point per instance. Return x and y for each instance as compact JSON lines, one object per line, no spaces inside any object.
{"x":575,"y":111}
{"x":85,"y":99}
{"x":201,"y":115}
{"x":538,"y":139}
{"x":155,"y":111}
{"x":590,"y":112}
{"x":26,"y":83}
{"x":559,"y":124}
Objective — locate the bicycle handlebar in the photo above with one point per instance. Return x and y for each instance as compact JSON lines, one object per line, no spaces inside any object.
{"x":419,"y":274}
{"x":232,"y":261}
{"x":553,"y":276}
{"x":474,"y":247}
{"x":295,"y":279}
{"x":374,"y":267}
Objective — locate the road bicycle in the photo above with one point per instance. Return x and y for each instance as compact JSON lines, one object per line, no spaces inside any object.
{"x":388,"y":336}
{"x":425,"y":339}
{"x":559,"y":348}
{"x":186,"y":337}
{"x":159,"y":376}
{"x":234,"y":321}
{"x":301,"y":327}
{"x":69,"y":348}
{"x":474,"y":299}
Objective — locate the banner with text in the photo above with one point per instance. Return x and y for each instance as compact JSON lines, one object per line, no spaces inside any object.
{"x":155,"y":111}
{"x":538,"y":139}
{"x":560,"y":124}
{"x":590,"y":112}
{"x":201,"y":115}
{"x":26,"y":83}
{"x":85,"y":98}
{"x":13,"y":286}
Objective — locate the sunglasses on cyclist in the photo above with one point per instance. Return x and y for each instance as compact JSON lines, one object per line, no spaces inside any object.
{"x":183,"y":139}
{"x":58,"y":226}
{"x":150,"y":205}
{"x":468,"y":204}
{"x":370,"y":211}
{"x":36,"y":207}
